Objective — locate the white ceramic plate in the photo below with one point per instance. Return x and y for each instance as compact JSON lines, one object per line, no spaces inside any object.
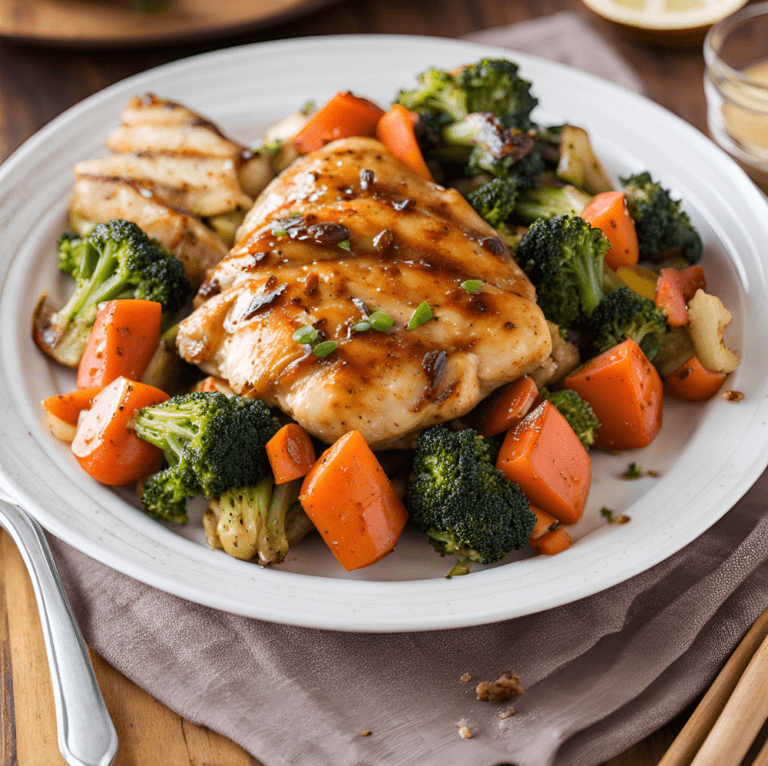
{"x":706,"y":456}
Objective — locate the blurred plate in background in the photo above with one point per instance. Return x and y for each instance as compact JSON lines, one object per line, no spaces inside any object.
{"x":140,"y":22}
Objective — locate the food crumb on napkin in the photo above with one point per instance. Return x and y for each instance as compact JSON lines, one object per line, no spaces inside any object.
{"x":506,"y":687}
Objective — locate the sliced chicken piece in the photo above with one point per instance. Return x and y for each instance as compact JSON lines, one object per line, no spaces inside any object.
{"x":195,"y":245}
{"x":176,"y":173}
{"x":151,"y":110}
{"x":152,"y":124}
{"x":179,"y":139}
{"x":344,"y":232}
{"x":200,"y":186}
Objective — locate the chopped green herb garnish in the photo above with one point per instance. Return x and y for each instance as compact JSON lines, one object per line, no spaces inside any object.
{"x":325,"y":348}
{"x":472,"y":285}
{"x":612,"y":518}
{"x":380,"y":321}
{"x":279,"y":231}
{"x":344,"y":245}
{"x":306,"y":335}
{"x":633,"y":472}
{"x":376,"y":321}
{"x":272,"y":148}
{"x":308,"y":107}
{"x":422,"y":314}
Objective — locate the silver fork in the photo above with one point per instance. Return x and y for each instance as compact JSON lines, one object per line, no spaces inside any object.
{"x":87,"y":736}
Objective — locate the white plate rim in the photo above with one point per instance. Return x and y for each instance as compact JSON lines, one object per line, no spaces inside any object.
{"x":141,"y":550}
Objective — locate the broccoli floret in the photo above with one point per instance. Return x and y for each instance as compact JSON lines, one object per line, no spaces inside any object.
{"x":494,"y":201}
{"x":662,"y":226}
{"x":261,"y":521}
{"x":563,"y":256}
{"x":212,"y":443}
{"x":491,"y":85}
{"x":625,"y":314}
{"x":165,"y":494}
{"x":461,"y":501}
{"x":548,"y":201}
{"x":113,"y":260}
{"x":484,"y":145}
{"x":576,"y":411}
{"x":495,"y":85}
{"x":437,"y":93}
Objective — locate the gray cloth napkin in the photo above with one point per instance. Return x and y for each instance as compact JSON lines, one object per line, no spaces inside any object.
{"x":600,"y":674}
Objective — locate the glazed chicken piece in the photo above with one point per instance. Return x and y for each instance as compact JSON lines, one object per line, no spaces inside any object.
{"x":174,"y":174}
{"x":345,"y":232}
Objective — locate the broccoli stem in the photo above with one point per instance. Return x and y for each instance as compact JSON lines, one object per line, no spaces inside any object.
{"x":252,"y":520}
{"x":171,"y":432}
{"x":98,"y":286}
{"x":589,"y":283}
{"x":241,"y":512}
{"x":273,"y":541}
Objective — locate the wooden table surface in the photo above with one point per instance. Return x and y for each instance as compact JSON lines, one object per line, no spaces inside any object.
{"x":36,"y":84}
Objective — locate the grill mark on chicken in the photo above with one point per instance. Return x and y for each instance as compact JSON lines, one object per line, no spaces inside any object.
{"x":389,"y":385}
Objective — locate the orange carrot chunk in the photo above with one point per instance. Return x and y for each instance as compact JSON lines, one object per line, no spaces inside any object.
{"x":291,"y":453}
{"x":553,"y":542}
{"x":395,"y":131}
{"x":543,"y":455}
{"x":343,"y":116}
{"x":545,"y":522}
{"x":62,"y":411}
{"x":608,"y":211}
{"x":625,"y":393}
{"x":68,"y":406}
{"x":693,"y":382}
{"x":507,"y":408}
{"x":352,"y":503}
{"x":106,"y":446}
{"x":123,"y":340}
{"x":674,"y":288}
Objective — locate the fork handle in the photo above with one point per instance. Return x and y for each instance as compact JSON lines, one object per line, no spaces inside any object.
{"x":86,"y":734}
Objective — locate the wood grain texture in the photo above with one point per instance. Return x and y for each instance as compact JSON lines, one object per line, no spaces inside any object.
{"x":36,"y":85}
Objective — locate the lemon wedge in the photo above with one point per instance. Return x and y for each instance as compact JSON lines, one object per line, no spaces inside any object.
{"x":674,"y":22}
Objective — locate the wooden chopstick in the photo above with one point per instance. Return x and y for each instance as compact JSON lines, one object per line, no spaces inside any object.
{"x":742,"y":718}
{"x":761,"y":759}
{"x":704,"y":719}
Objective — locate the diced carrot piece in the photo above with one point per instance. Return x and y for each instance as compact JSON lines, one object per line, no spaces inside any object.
{"x":553,"y":542}
{"x":123,"y":340}
{"x":625,"y":393}
{"x":106,"y":446}
{"x":693,"y":382}
{"x":395,"y":131}
{"x":352,"y":503}
{"x":543,"y":455}
{"x":68,"y":406}
{"x":545,"y":522}
{"x":291,"y":453}
{"x":343,"y":116}
{"x":507,"y":407}
{"x":608,"y":211}
{"x":675,"y":287}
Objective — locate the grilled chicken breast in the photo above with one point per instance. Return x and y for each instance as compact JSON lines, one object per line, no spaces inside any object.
{"x":173,"y":173}
{"x":345,"y":232}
